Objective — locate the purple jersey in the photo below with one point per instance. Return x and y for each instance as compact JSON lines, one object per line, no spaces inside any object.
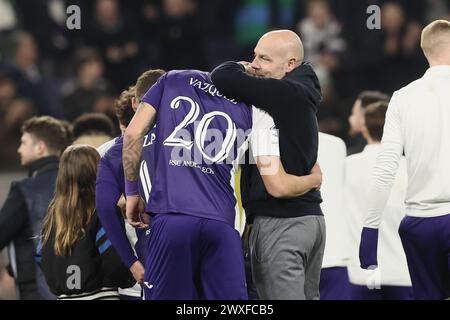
{"x":111,"y":185}
{"x":200,"y":135}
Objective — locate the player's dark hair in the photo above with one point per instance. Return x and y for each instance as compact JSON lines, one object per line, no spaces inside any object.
{"x":368,"y":97}
{"x":53,"y":132}
{"x":374,"y":118}
{"x":93,"y":123}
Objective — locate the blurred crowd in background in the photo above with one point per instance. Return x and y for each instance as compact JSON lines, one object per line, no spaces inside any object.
{"x":47,"y":69}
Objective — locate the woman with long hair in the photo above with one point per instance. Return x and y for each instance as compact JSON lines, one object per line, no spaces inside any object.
{"x":77,"y":258}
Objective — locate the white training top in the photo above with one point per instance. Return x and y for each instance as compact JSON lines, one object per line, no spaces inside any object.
{"x":418,"y":122}
{"x":331,"y":158}
{"x":392,"y":266}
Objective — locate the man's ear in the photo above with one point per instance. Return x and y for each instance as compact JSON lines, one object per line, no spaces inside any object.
{"x":134,"y":103}
{"x":41,"y":148}
{"x":291,"y":65}
{"x":122,"y":128}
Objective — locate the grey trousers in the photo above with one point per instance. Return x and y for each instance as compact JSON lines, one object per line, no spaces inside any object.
{"x":286,"y":257}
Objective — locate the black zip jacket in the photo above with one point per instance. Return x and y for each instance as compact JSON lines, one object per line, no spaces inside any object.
{"x":93,"y":257}
{"x":293,"y":103}
{"x":20,"y":223}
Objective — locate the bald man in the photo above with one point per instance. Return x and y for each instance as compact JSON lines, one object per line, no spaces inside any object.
{"x":288,"y":235}
{"x":418,"y":124}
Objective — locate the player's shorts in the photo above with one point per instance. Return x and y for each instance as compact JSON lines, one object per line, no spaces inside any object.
{"x":334,"y":284}
{"x":426,"y":242}
{"x":193,"y":258}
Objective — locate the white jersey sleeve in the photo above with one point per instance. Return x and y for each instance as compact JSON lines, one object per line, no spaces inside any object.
{"x":264,"y":136}
{"x":103,"y":149}
{"x":386,"y":166}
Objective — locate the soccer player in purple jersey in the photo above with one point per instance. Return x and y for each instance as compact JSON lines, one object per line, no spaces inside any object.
{"x":110,"y":179}
{"x":194,"y":252}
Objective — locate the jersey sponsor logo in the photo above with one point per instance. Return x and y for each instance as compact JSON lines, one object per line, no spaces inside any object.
{"x":191,"y":164}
